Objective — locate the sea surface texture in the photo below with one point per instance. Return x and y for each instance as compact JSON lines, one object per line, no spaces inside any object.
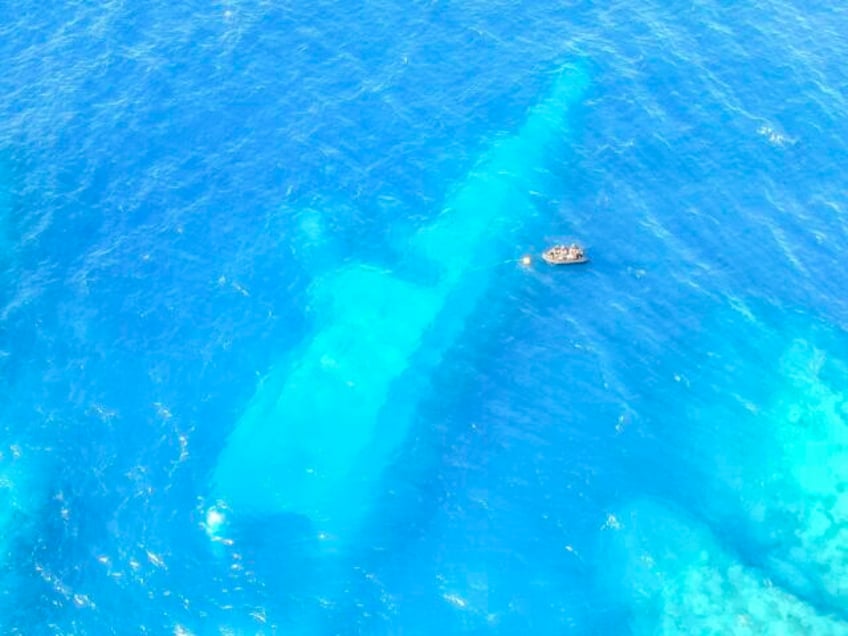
{"x":272,"y":360}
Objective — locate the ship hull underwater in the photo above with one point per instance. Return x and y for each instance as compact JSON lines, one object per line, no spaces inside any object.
{"x":323,"y":426}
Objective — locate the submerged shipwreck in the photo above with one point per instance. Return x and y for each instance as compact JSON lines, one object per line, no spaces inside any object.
{"x":326,"y":423}
{"x":323,"y":426}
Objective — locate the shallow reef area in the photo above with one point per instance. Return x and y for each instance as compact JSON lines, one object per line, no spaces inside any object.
{"x":767,"y":551}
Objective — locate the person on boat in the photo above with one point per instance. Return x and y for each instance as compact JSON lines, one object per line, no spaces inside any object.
{"x":560,"y":253}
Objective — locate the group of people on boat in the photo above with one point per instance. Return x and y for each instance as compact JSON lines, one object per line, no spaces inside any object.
{"x":564,"y":254}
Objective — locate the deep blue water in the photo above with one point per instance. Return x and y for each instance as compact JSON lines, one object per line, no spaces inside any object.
{"x":571,"y":458}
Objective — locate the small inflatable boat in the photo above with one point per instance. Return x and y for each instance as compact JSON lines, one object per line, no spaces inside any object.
{"x":565,"y":255}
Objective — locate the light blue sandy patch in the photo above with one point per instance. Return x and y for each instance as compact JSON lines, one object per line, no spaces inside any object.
{"x":318,"y":245}
{"x":676,"y":579}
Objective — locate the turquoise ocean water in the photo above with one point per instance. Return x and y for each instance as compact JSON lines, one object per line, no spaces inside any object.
{"x":270,"y":363}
